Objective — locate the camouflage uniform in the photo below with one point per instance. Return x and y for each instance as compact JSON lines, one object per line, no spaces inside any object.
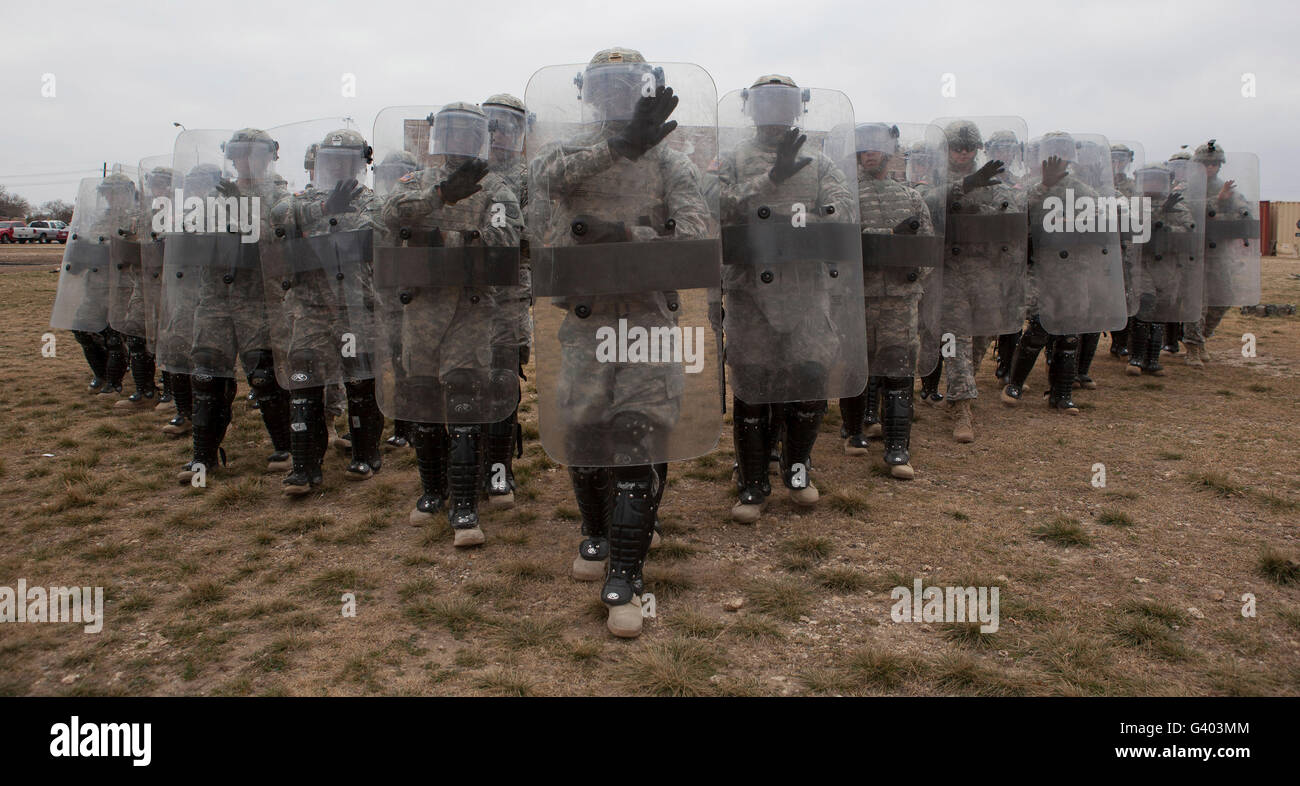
{"x":892,"y":295}
{"x":1218,"y":261}
{"x":1159,"y":284}
{"x":109,"y":342}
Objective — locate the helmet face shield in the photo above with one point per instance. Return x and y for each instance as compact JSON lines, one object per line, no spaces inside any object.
{"x":774,"y":105}
{"x":506,"y":127}
{"x":1061,"y":146}
{"x":387,"y":175}
{"x":457,"y":132}
{"x":336,"y":164}
{"x":1154,"y":182}
{"x":252,"y":159}
{"x":610,"y":91}
{"x":876,"y":138}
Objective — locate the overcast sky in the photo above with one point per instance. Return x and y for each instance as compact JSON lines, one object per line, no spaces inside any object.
{"x":1165,"y":74}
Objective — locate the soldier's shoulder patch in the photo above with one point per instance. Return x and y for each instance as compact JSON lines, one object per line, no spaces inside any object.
{"x":300,"y":193}
{"x":408,"y":177}
{"x":715,"y":165}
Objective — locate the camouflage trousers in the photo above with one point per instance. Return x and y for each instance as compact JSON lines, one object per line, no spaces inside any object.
{"x":893,"y":338}
{"x":961,"y":367}
{"x":1197,"y":332}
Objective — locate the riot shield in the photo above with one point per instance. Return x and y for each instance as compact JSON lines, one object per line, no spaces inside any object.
{"x":124,"y":281}
{"x":794,"y":312}
{"x":625,"y":264}
{"x":1126,"y":158}
{"x":101,"y":210}
{"x":1232,"y":241}
{"x":213,"y":305}
{"x":902,"y":245}
{"x":986,"y":232}
{"x":401,"y":142}
{"x":436,"y":269}
{"x":316,"y":264}
{"x":1169,"y":270}
{"x":157,"y":182}
{"x":1077,"y":265}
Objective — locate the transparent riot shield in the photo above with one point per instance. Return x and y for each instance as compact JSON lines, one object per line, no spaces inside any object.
{"x":437,"y":267}
{"x":1076,"y":260}
{"x":1232,"y":241}
{"x":986,"y":230}
{"x":794,"y":314}
{"x":82,"y":300}
{"x":1169,"y":274}
{"x":157,"y":189}
{"x":902,"y":244}
{"x":625,"y":263}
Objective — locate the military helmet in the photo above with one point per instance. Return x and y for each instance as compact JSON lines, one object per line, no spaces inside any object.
{"x":507,"y":120}
{"x":1121,"y":150}
{"x":1002,"y":138}
{"x":1059,"y":144}
{"x":459,"y":129}
{"x":162,"y":174}
{"x":876,"y":137}
{"x":116,"y":182}
{"x":243,"y":139}
{"x":506,"y":100}
{"x":401,"y":158}
{"x":347,"y":139}
{"x":775,"y":100}
{"x":1154,"y":173}
{"x":613,"y":83}
{"x":1181,"y":155}
{"x":1210,"y":153}
{"x":201,"y":179}
{"x":963,"y":134}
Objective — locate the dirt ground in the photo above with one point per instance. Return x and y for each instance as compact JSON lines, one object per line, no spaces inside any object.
{"x":1134,"y":588}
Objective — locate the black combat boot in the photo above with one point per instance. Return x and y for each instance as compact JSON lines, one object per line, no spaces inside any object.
{"x":593,"y":488}
{"x":183,"y":393}
{"x":93,"y":347}
{"x":898,"y":426}
{"x":1119,"y":340}
{"x":306,"y":408}
{"x":401,"y":434}
{"x":1006,"y":349}
{"x":165,"y":395}
{"x":1173,"y":335}
{"x":367,"y":424}
{"x":1139,"y":335}
{"x":751,"y":424}
{"x":1151,"y":358}
{"x":1087,"y":351}
{"x":430,"y":443}
{"x":930,"y":384}
{"x":871,"y":411}
{"x":465,"y":462}
{"x":631,"y":526}
{"x":211,"y":417}
{"x":116,"y":366}
{"x":1030,"y":345}
{"x":142,"y":374}
{"x":851,"y":414}
{"x":1062,"y":372}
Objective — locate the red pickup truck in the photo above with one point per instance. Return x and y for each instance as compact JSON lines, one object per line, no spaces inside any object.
{"x":7,"y":230}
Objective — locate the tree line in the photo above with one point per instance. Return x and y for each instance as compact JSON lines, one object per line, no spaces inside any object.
{"x":13,"y":206}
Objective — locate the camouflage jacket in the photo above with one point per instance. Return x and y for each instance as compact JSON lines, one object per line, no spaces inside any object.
{"x":882,"y":205}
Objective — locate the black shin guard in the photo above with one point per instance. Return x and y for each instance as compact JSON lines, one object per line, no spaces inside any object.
{"x":212,"y":414}
{"x":116,"y":366}
{"x":1030,"y":345}
{"x":272,"y":401}
{"x":430,"y":443}
{"x":898,"y":420}
{"x":367,"y":426}
{"x":802,"y":421}
{"x":1155,"y":342}
{"x":631,"y":526}
{"x":750,"y":432}
{"x":142,"y":370}
{"x":1061,"y":374}
{"x":183,"y":393}
{"x":306,"y":411}
{"x":1138,"y":336}
{"x":93,"y":347}
{"x":871,"y":403}
{"x":1006,"y":350}
{"x":930,"y":383}
{"x":499,"y":451}
{"x":165,"y":394}
{"x":1119,"y":340}
{"x":593,"y":488}
{"x":465,"y":461}
{"x":1087,"y":351}
{"x":851,"y":412}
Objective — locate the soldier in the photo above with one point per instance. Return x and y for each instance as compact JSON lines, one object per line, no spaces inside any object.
{"x":508,"y":123}
{"x":896,"y":272}
{"x":622,"y":241}
{"x":394,"y":166}
{"x":984,"y":258}
{"x":1075,"y":272}
{"x":1122,"y":158}
{"x":229,"y":312}
{"x":104,"y":207}
{"x":320,"y":291}
{"x":451,"y":231}
{"x":1003,"y":146}
{"x":925,"y":168}
{"x":792,"y":278}
{"x":1232,"y":243}
{"x":1168,"y":277}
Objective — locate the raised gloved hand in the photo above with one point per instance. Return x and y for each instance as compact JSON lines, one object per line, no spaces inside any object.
{"x":227,"y":188}
{"x":984,"y":176}
{"x":908,"y":226}
{"x":588,"y":229}
{"x":788,"y":161}
{"x":342,"y":197}
{"x":649,"y":125}
{"x":463,"y":182}
{"x":1054,"y":171}
{"x":1172,"y":201}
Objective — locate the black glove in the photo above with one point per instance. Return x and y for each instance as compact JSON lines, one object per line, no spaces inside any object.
{"x":588,"y":230}
{"x":1172,"y":200}
{"x":984,"y":176}
{"x":787,"y":157}
{"x":227,"y":188}
{"x":463,"y":182}
{"x":907,"y":226}
{"x":341,"y":198}
{"x":1054,"y":171}
{"x":649,"y":125}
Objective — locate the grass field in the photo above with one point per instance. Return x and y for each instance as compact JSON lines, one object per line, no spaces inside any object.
{"x":1135,"y":588}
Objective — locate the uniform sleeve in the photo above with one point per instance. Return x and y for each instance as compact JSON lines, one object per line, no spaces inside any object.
{"x":735,"y":193}
{"x":410,"y":201}
{"x":922,"y":211}
{"x":558,"y":170}
{"x":685,"y":200}
{"x":513,"y":225}
{"x":833,"y":188}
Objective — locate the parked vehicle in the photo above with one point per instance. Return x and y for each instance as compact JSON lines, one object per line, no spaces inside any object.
{"x":42,"y":231}
{"x":7,"y":228}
